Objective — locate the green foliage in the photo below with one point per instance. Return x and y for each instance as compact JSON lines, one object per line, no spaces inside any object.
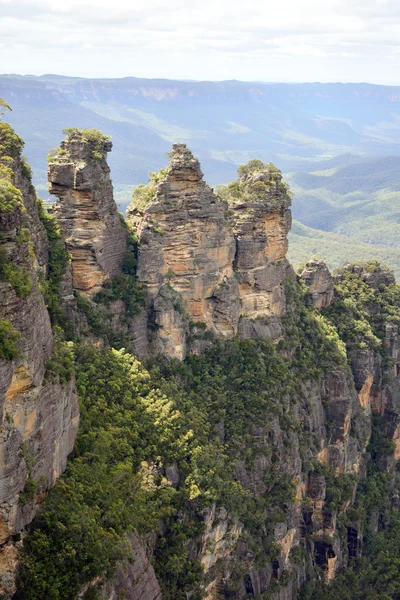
{"x":58,"y":262}
{"x":144,"y":193}
{"x":94,"y":137}
{"x":257,"y":166}
{"x":11,"y":144}
{"x":111,"y":485}
{"x":309,"y":336}
{"x":360,"y":313}
{"x":29,"y":490}
{"x":88,"y":135}
{"x":9,"y":338}
{"x":380,"y":444}
{"x":10,"y":197}
{"x":202,"y":415}
{"x":339,"y":490}
{"x":18,"y":277}
{"x":60,"y":366}
{"x":122,"y":287}
{"x":256,"y":179}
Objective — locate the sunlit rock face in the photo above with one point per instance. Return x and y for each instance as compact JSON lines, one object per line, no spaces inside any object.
{"x":79,"y":177}
{"x":208,"y":261}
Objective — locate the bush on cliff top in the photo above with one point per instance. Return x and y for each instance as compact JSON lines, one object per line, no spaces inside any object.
{"x":249,"y":190}
{"x":10,"y":197}
{"x":144,"y":193}
{"x":11,"y":144}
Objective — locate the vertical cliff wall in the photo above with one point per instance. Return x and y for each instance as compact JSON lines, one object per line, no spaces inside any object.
{"x":38,"y":413}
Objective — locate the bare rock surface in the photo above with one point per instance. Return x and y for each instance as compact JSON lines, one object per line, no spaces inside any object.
{"x":79,"y":177}
{"x":319,"y":282}
{"x":226,"y":261}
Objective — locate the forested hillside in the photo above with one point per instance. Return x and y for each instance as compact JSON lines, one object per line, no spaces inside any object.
{"x":358,"y":203}
{"x":238,"y":422}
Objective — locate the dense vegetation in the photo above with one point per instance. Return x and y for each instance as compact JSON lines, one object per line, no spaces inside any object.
{"x":200,"y":417}
{"x":144,"y":193}
{"x":361,"y":313}
{"x":57,"y":264}
{"x":253,"y":184}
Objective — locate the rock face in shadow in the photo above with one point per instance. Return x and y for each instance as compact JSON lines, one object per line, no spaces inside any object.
{"x":210,"y":263}
{"x":86,"y":212}
{"x":38,"y":416}
{"x":319,"y":282}
{"x":135,"y":578}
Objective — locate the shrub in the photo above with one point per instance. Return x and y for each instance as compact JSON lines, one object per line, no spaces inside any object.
{"x":58,"y":262}
{"x":9,"y":338}
{"x":18,"y":277}
{"x":10,"y":197}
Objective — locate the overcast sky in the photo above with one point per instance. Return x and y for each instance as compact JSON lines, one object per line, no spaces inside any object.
{"x":264,"y":40}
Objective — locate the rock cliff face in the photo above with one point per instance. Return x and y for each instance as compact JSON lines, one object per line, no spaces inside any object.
{"x":217,"y":263}
{"x":319,"y":282}
{"x":86,"y":212}
{"x":211,"y":262}
{"x":38,"y":416}
{"x":213,"y":266}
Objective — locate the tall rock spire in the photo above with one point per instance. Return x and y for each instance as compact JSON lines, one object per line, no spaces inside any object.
{"x":211,"y":261}
{"x":79,"y":177}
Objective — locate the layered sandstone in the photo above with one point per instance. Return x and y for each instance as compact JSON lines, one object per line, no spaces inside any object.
{"x":207,"y":261}
{"x":319,"y":282}
{"x":38,"y":418}
{"x":79,"y":177}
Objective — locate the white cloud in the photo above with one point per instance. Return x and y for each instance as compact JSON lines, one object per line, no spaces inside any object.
{"x":348,"y":40}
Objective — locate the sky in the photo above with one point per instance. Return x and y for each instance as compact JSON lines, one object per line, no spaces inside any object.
{"x":249,"y":40}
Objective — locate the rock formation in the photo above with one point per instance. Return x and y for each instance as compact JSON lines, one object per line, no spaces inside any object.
{"x":38,"y":415}
{"x":209,"y":261}
{"x":86,"y":211}
{"x":213,"y":266}
{"x":319,"y":281}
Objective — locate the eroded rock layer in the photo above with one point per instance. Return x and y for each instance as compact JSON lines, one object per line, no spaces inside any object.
{"x":86,"y":211}
{"x":38,"y":415}
{"x":209,"y":261}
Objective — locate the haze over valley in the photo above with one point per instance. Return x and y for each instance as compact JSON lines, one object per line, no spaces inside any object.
{"x":338,"y":145}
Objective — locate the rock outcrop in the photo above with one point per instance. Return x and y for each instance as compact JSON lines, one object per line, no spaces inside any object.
{"x":319,"y":282}
{"x":38,"y":415}
{"x":210,"y":262}
{"x":79,"y":177}
{"x":135,"y":578}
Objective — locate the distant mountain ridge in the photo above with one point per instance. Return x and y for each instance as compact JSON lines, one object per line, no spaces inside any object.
{"x":350,"y":131}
